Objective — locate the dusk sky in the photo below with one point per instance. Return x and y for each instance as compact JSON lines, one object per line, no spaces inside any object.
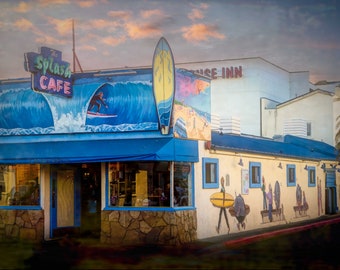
{"x":299,"y":35}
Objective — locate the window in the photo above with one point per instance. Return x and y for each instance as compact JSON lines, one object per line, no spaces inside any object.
{"x":311,"y":176}
{"x":210,"y":172}
{"x":309,"y":129}
{"x":149,"y":184}
{"x":255,"y":174}
{"x":20,"y":184}
{"x":291,"y":178}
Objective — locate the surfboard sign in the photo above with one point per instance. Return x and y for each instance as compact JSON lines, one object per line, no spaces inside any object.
{"x":100,"y":115}
{"x":163,"y":72}
{"x":222,"y":200}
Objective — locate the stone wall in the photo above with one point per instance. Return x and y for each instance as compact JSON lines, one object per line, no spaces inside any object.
{"x":22,"y":225}
{"x":148,"y":227}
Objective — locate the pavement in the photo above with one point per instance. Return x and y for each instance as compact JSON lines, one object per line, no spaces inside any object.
{"x":251,"y":236}
{"x":208,"y":253}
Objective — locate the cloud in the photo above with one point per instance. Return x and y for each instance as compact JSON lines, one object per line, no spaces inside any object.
{"x":112,"y":41}
{"x":63,"y":27}
{"x":87,"y":48}
{"x":138,"y":31}
{"x":120,"y":15}
{"x":24,"y":24}
{"x":201,"y":32}
{"x":23,"y":7}
{"x":86,"y":3}
{"x":151,"y":13}
{"x":53,"y":2}
{"x":195,"y":14}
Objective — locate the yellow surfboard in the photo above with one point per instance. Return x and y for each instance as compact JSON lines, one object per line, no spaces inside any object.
{"x":163,"y":83}
{"x":222,"y":200}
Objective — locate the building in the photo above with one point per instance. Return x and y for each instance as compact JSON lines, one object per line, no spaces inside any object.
{"x":111,"y":153}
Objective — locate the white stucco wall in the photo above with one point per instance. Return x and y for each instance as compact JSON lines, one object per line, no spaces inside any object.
{"x":240,"y":97}
{"x":316,"y":108}
{"x":208,"y":215}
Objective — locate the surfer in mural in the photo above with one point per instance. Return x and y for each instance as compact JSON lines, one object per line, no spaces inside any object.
{"x":277,"y":195}
{"x":97,"y":100}
{"x":240,"y":210}
{"x":222,"y":200}
{"x":270,"y":203}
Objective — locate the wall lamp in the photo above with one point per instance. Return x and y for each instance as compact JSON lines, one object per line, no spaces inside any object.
{"x":280,"y":166}
{"x":323,"y":166}
{"x":306,"y":168}
{"x":241,"y":162}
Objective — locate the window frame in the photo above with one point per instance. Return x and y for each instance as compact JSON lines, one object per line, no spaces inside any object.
{"x":311,"y":169}
{"x":288,"y":168}
{"x":252,"y":184}
{"x":206,"y":161}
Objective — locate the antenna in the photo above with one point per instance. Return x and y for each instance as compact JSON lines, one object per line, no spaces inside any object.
{"x":75,"y":58}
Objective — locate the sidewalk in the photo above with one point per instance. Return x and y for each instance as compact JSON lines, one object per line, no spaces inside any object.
{"x":251,"y":236}
{"x":209,"y":253}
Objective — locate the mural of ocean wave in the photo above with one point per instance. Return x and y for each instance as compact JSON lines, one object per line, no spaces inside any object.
{"x":20,"y":117}
{"x":123,"y":127}
{"x":23,"y":131}
{"x":131,"y":105}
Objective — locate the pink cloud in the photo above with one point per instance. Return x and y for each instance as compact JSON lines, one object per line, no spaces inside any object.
{"x":201,"y":32}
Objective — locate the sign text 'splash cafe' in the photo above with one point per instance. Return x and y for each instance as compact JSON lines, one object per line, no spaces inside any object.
{"x":49,"y":73}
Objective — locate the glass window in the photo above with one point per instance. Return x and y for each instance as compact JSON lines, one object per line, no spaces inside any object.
{"x":255,"y":174}
{"x":20,"y":184}
{"x":149,"y":184}
{"x":210,"y":172}
{"x":291,"y":178}
{"x":311,"y":176}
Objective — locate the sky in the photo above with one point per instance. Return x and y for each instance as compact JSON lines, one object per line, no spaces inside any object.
{"x":299,"y":35}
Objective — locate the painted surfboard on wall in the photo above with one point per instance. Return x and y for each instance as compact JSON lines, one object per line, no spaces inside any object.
{"x":222,"y":200}
{"x":163,"y":69}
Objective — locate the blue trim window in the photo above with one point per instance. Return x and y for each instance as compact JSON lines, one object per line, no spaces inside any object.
{"x":255,"y":174}
{"x":210,"y":172}
{"x":291,"y":175}
{"x":311,"y":176}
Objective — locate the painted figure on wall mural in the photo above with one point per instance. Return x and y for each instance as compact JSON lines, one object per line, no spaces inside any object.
{"x":223,"y":201}
{"x":97,"y":100}
{"x":277,"y":195}
{"x":240,"y":210}
{"x":301,"y":203}
{"x":270,"y":203}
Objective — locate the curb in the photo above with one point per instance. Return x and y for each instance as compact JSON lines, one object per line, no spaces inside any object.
{"x":254,"y":238}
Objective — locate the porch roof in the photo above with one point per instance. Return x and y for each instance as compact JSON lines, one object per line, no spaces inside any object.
{"x":56,"y":149}
{"x":289,"y":146}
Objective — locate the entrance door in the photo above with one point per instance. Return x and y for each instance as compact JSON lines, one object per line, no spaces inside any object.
{"x":331,"y":201}
{"x":65,"y":200}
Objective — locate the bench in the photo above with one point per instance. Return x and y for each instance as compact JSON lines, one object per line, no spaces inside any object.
{"x":275,"y":213}
{"x":300,"y":210}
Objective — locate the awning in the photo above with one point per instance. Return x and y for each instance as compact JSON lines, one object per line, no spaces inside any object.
{"x":66,"y":149}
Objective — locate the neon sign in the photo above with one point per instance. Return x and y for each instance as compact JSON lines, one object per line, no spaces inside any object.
{"x":49,"y":73}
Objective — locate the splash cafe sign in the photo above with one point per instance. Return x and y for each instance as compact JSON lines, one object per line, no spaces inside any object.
{"x":49,"y":73}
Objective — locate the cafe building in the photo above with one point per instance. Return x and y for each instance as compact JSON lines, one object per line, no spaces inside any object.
{"x":136,"y":156}
{"x":106,"y":153}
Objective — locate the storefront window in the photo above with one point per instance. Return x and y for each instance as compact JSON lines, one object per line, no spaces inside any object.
{"x":149,"y":184}
{"x":20,"y":184}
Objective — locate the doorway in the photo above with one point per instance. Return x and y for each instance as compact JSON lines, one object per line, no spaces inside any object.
{"x":75,"y":200}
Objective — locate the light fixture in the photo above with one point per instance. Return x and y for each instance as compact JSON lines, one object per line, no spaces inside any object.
{"x":280,"y":165}
{"x":323,"y":166}
{"x":241,"y":162}
{"x":333,"y":166}
{"x":306,"y":168}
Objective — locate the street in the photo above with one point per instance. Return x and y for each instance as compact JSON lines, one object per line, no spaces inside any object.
{"x":312,"y":248}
